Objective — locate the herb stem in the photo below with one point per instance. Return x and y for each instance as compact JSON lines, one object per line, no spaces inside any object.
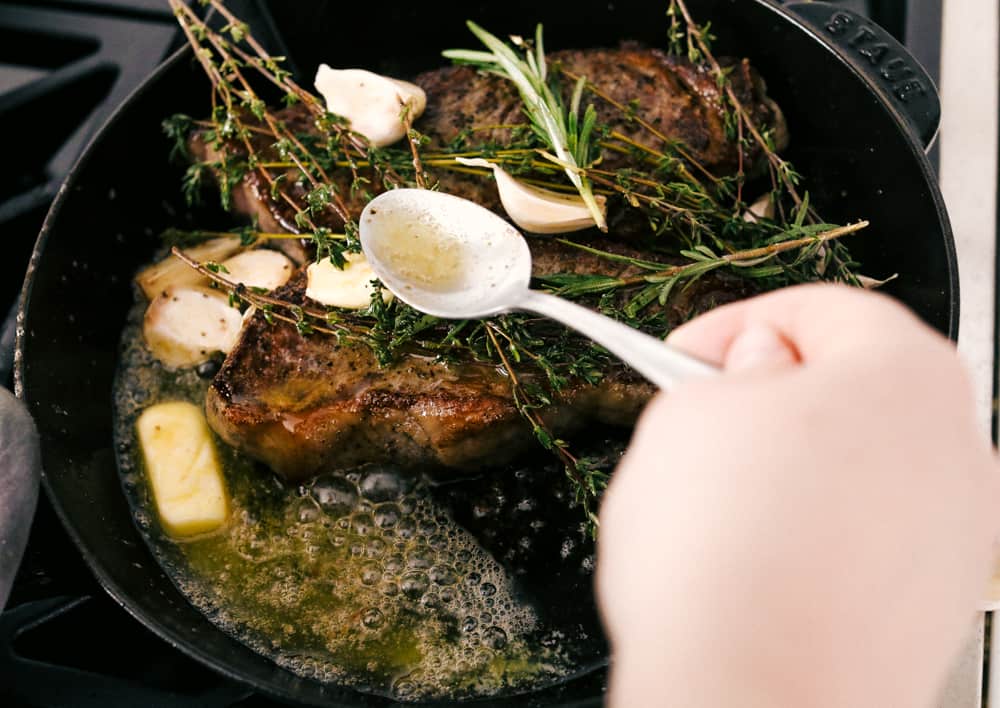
{"x":263,"y":302}
{"x":530,"y":413}
{"x":780,"y":165}
{"x":675,"y":144}
{"x":742,"y":258}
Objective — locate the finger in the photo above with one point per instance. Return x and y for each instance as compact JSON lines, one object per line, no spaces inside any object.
{"x":759,"y":346}
{"x":815,"y":321}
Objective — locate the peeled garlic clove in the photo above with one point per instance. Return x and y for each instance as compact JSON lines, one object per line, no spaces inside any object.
{"x":537,"y":210}
{"x":372,"y":103}
{"x":350,"y":287}
{"x":185,"y":325}
{"x":173,"y":271}
{"x":262,"y":268}
{"x":763,"y":208}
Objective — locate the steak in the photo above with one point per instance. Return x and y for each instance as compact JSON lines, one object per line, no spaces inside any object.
{"x":308,"y":404}
{"x":680,"y":99}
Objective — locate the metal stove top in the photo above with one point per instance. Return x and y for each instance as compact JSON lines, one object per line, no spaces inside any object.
{"x":66,"y":64}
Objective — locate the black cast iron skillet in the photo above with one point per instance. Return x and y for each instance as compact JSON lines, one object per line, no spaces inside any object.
{"x":861,"y":113}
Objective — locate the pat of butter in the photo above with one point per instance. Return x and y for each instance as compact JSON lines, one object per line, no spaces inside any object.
{"x":372,"y":103}
{"x":189,"y":490}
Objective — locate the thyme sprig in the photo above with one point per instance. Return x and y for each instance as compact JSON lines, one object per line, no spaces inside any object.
{"x":699,"y":39}
{"x":761,"y":264}
{"x":238,"y":112}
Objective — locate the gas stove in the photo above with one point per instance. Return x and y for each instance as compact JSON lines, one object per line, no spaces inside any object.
{"x":67,"y":64}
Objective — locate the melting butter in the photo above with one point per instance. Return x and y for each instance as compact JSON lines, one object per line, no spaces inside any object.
{"x":424,"y":254}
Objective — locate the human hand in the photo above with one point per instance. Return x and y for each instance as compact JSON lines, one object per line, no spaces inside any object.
{"x":814,"y":527}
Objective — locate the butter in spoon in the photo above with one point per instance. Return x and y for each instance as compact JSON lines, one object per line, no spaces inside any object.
{"x":452,"y":258}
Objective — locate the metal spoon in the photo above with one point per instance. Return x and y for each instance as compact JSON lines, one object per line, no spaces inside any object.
{"x":452,"y":258}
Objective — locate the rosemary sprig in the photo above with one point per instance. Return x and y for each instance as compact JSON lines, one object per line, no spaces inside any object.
{"x":566,"y":132}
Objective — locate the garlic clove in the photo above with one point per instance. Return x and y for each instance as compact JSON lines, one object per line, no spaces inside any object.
{"x":763,"y":208}
{"x":185,"y":325}
{"x":372,"y":103}
{"x":350,"y":287}
{"x":262,"y":268}
{"x":869,"y":283}
{"x":173,"y":272}
{"x":537,"y":210}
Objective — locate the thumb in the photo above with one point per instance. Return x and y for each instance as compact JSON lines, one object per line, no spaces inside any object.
{"x":759,"y":346}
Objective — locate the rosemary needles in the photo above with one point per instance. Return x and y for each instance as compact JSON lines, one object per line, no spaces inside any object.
{"x":565,"y":131}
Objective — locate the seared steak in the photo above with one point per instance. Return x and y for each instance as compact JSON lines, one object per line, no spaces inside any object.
{"x":305,"y":404}
{"x":679,"y":99}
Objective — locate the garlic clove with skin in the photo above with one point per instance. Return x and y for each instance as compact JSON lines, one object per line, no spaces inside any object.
{"x":372,"y":103}
{"x":537,"y":210}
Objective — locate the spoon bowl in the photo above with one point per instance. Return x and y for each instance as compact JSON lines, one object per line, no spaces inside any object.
{"x":452,"y":258}
{"x":445,"y":255}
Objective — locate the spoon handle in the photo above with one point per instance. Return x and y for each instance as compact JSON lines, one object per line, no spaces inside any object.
{"x":651,"y":357}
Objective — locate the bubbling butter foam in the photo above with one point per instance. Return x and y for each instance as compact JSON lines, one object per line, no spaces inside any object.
{"x":359,"y":577}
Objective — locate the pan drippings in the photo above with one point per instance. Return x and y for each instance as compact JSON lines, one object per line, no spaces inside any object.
{"x":364,"y":577}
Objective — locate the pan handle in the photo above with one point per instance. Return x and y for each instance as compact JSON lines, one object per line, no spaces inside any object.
{"x":891,"y":70}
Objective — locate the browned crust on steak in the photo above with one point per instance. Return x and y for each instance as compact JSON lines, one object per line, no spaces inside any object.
{"x":305,"y":404}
